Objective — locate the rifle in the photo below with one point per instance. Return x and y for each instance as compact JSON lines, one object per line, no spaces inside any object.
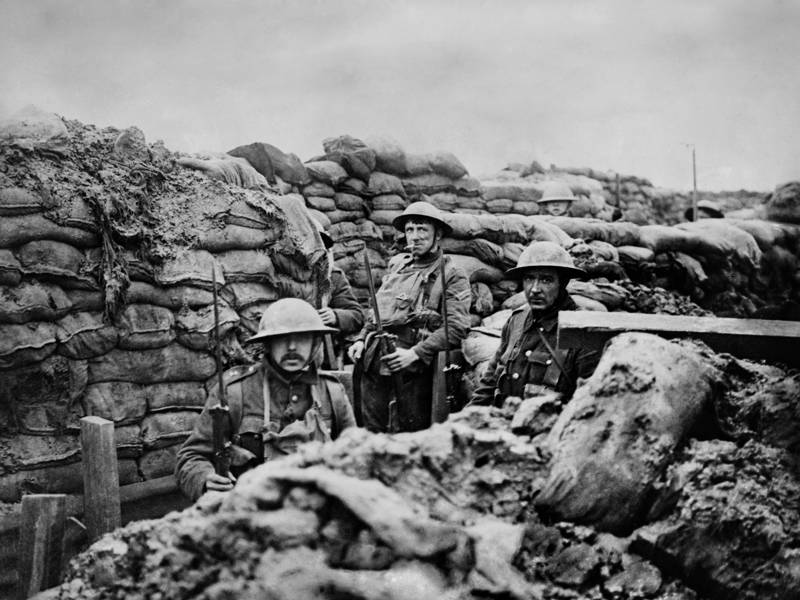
{"x":220,"y":412}
{"x":452,"y":371}
{"x":388,"y":345}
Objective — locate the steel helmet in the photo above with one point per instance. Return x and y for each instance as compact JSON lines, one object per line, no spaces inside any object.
{"x":425,"y":210}
{"x":289,"y":315}
{"x":556,"y":191}
{"x":544,"y":254}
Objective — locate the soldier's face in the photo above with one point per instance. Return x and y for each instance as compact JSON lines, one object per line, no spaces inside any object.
{"x":421,"y":237}
{"x":557,"y":208}
{"x":291,"y":352}
{"x":541,"y":285}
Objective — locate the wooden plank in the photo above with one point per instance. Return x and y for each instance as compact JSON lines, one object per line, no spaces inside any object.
{"x":40,"y":542}
{"x":755,"y":339}
{"x":100,"y":477}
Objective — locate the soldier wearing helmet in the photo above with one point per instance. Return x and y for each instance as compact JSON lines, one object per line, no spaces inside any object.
{"x":274,"y":406}
{"x":556,"y":198}
{"x":410,"y":305}
{"x":528,"y":360}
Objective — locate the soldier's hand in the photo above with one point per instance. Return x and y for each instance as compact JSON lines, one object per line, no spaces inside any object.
{"x":219,"y":483}
{"x":400,"y":359}
{"x":356,"y":350}
{"x":328,"y":316}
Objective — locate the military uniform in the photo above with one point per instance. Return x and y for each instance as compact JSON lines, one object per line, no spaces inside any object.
{"x":523,"y":358}
{"x":309,"y":406}
{"x":409,"y":302}
{"x":343,"y":303}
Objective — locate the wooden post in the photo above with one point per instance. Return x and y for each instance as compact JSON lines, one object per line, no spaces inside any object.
{"x":40,"y":542}
{"x":100,"y":477}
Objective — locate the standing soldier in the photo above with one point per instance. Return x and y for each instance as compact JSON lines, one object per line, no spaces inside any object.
{"x":340,"y":308}
{"x":395,"y":389}
{"x":527,"y":356}
{"x":273,"y":406}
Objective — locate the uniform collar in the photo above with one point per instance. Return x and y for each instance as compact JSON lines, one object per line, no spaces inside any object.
{"x":307,"y":376}
{"x":427,"y":258}
{"x":548,"y":319}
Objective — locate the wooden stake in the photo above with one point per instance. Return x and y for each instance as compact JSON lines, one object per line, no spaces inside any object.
{"x":101,"y":506}
{"x":40,"y":542}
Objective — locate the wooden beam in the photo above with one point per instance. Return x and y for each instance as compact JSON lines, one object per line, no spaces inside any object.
{"x":100,"y":477}
{"x":754,"y":339}
{"x":40,"y":542}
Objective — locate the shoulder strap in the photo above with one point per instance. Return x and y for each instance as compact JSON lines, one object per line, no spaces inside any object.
{"x":434,"y":286}
{"x":334,"y":389}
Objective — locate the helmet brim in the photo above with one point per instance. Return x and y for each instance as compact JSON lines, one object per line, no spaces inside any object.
{"x":546,"y":200}
{"x":519,"y":272}
{"x":399,"y":223}
{"x":260,"y":337}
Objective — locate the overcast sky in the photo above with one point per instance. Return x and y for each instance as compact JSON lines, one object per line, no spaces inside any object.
{"x":621,"y":84}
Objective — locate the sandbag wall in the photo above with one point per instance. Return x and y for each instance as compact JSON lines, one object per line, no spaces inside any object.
{"x":107,"y":258}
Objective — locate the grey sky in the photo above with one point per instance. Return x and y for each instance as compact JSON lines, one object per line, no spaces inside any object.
{"x":620,"y":84}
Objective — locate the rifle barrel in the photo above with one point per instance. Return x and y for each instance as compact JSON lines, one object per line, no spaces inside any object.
{"x":217,"y":350}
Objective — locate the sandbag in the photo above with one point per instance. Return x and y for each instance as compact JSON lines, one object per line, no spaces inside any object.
{"x":514,"y":301}
{"x":293,"y":266}
{"x":143,"y":326}
{"x":37,"y":398}
{"x":195,"y":328}
{"x":484,"y":250}
{"x":32,"y":301}
{"x":321,"y":203}
{"x":35,"y":129}
{"x":55,"y":261}
{"x":236,"y":237}
{"x":271,"y":161}
{"x":429,"y":183}
{"x":447,"y":201}
{"x":384,"y":183}
{"x":353,"y":154}
{"x":515,"y":190}
{"x":385,"y":217}
{"x":170,"y":363}
{"x":230,"y":169}
{"x":167,"y":428}
{"x":482,"y":300}
{"x":480,"y":345}
{"x":391,"y":202}
{"x":389,"y":155}
{"x":16,"y":201}
{"x":158,"y":463}
{"x":174,"y":297}
{"x":525,"y":208}
{"x":366,"y":231}
{"x":84,"y":335}
{"x":74,"y":211}
{"x":25,"y":344}
{"x":241,"y":295}
{"x":540,"y":229}
{"x":717,"y":236}
{"x":123,"y":401}
{"x":247,"y":214}
{"x":604,"y":250}
{"x":766,"y":234}
{"x":10,"y":269}
{"x":15,"y":231}
{"x":617,"y":233}
{"x":611,"y":295}
{"x":468,"y":186}
{"x":475,"y":203}
{"x":500,"y":206}
{"x":344,"y":201}
{"x":617,"y":435}
{"x":586,"y":303}
{"x":496,"y":320}
{"x":476,"y":269}
{"x":190,"y":267}
{"x":783,"y":204}
{"x":635,"y":254}
{"x":447,"y":164}
{"x":511,"y":253}
{"x":317,"y":188}
{"x":337,"y":216}
{"x":354,"y":186}
{"x":326,"y":171}
{"x":246,"y":265}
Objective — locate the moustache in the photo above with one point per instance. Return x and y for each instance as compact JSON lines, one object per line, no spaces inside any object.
{"x":292,"y":356}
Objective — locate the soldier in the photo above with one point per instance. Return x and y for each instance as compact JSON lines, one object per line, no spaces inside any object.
{"x":527,"y":356}
{"x":274,"y":406}
{"x":706,"y":209}
{"x":410,"y":306}
{"x":556,"y":198}
{"x":340,"y":308}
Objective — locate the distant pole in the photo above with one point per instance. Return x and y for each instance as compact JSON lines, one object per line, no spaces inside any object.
{"x":694,"y":185}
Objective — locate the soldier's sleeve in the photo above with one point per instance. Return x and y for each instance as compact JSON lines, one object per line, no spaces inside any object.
{"x":349,"y":315}
{"x":195,"y":458}
{"x":458,"y":299}
{"x":483,"y":395}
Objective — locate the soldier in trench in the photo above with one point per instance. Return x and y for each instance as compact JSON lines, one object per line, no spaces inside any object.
{"x":274,"y":406}
{"x":527,"y":361}
{"x":410,"y":304}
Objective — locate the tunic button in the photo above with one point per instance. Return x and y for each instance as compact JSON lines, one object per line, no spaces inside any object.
{"x":528,"y":353}
{"x":294,"y":397}
{"x":515,"y":376}
{"x":548,"y":361}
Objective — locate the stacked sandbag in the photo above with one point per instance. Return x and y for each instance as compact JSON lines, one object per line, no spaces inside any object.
{"x":108,"y":254}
